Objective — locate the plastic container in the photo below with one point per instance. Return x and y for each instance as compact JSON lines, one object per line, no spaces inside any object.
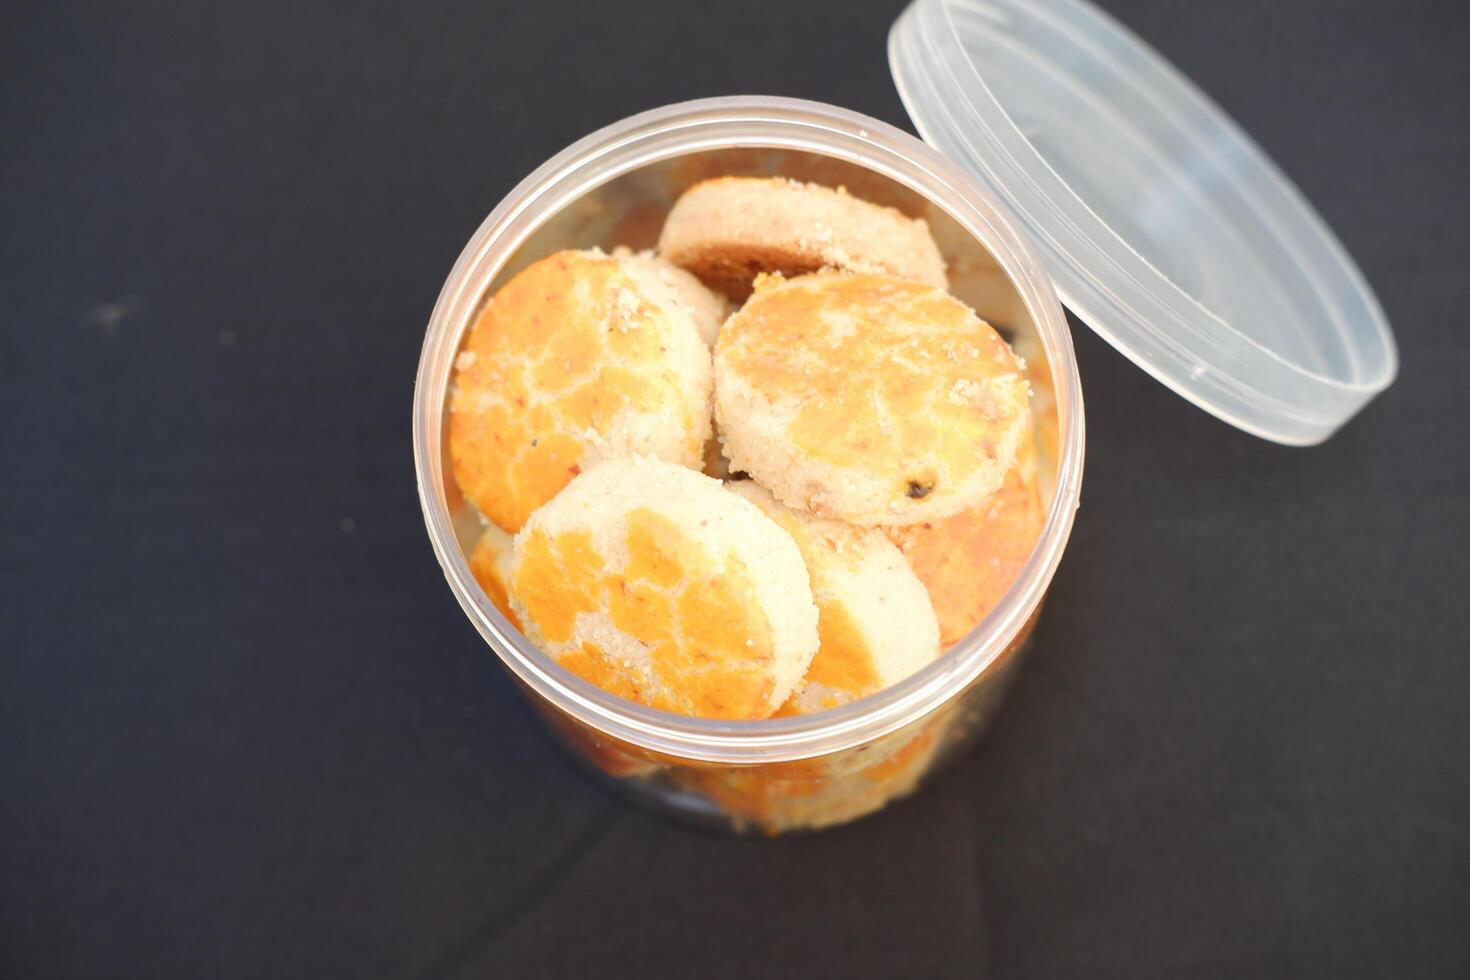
{"x":1068,"y":159}
{"x":613,"y":188}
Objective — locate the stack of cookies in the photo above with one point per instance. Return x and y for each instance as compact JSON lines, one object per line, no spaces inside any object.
{"x":771,"y":469}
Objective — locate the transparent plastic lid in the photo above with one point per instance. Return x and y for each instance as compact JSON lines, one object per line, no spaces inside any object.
{"x":1164,"y":227}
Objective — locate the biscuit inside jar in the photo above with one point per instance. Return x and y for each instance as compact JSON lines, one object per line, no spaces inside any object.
{"x":730,"y":230}
{"x":868,"y":399}
{"x":653,"y":581}
{"x":581,"y":356}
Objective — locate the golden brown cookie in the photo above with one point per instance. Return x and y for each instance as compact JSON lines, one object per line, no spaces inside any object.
{"x":657,"y":584}
{"x":581,"y":356}
{"x":968,"y":561}
{"x":874,"y":619}
{"x":869,"y":399}
{"x":730,"y":229}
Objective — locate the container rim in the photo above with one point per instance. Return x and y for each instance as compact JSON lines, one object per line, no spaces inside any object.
{"x":722,"y":123}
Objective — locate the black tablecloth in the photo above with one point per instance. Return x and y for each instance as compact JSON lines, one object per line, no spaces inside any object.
{"x":246,"y":731}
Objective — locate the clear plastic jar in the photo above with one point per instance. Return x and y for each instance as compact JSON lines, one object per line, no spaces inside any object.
{"x":613,"y":188}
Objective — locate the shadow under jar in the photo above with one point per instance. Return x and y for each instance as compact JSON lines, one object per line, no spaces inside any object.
{"x":614,"y":188}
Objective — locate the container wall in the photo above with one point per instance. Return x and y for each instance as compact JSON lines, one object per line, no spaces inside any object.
{"x":790,"y":797}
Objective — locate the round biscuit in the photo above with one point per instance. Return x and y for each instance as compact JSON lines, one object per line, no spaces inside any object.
{"x":874,"y":620}
{"x":870,"y":399}
{"x":730,"y":229}
{"x":581,"y":356}
{"x":657,"y":584}
{"x":968,"y":561}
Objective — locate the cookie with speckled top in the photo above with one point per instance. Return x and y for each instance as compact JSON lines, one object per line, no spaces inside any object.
{"x":579,"y":357}
{"x":874,"y":618}
{"x":657,"y":584}
{"x":870,"y":399}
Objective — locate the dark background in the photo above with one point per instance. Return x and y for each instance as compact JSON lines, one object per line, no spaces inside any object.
{"x":246,"y":731}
